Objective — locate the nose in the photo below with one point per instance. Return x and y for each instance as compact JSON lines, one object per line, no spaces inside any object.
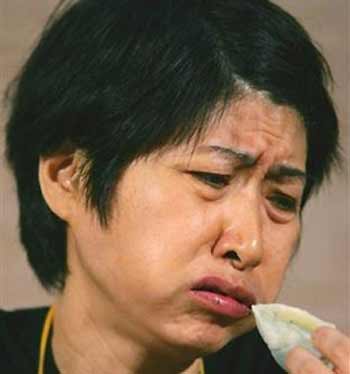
{"x":241,"y":238}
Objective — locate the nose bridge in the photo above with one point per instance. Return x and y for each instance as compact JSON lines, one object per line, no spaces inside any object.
{"x":243,"y":229}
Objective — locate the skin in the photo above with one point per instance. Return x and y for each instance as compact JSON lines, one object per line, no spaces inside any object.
{"x":126,"y":306}
{"x":333,"y":345}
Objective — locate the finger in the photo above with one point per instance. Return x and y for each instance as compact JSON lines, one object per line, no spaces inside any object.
{"x":335,"y":346}
{"x":300,"y":361}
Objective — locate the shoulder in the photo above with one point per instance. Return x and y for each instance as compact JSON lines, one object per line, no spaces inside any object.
{"x":20,"y":332}
{"x":247,"y":354}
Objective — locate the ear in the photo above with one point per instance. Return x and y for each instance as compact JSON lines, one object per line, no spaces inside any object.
{"x":59,"y":185}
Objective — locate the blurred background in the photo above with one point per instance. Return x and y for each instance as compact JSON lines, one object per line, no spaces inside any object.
{"x":319,"y":277}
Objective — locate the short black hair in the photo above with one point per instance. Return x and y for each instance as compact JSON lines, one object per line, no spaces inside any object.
{"x":120,"y":79}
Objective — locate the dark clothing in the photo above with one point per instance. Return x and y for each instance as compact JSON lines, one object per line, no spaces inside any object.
{"x":20,"y":333}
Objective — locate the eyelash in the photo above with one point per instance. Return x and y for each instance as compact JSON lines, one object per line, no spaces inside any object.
{"x":281,"y":201}
{"x":284,"y":202}
{"x":214,"y":180}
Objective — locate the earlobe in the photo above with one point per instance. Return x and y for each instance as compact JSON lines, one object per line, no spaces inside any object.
{"x":57,"y":178}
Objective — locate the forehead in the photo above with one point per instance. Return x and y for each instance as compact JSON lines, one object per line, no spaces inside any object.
{"x":259,"y":127}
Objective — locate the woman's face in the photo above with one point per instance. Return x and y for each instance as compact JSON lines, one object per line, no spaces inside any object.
{"x":226,"y":216}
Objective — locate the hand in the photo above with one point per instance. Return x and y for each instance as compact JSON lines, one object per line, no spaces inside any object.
{"x":333,"y":345}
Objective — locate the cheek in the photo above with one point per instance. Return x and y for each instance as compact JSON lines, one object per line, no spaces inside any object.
{"x":279,"y":245}
{"x":156,"y":234}
{"x":165,"y":226}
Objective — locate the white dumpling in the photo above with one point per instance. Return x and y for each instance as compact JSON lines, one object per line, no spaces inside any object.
{"x":284,"y":327}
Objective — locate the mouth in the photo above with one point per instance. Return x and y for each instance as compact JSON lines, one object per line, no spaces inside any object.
{"x":222,"y":297}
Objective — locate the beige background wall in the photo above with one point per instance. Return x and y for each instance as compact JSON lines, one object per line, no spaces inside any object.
{"x":319,"y":278}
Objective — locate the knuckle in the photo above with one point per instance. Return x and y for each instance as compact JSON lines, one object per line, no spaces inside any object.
{"x":308,"y":367}
{"x":341,"y":350}
{"x":299,"y":361}
{"x":322,"y":332}
{"x":295,"y":360}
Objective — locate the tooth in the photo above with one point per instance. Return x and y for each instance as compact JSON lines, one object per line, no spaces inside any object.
{"x":283,"y":327}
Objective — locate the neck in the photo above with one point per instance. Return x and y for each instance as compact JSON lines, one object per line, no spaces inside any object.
{"x":86,"y":340}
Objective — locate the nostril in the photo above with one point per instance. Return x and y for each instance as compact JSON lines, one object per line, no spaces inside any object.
{"x":232,"y":255}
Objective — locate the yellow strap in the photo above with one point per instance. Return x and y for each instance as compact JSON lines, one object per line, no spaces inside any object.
{"x":43,"y":340}
{"x":202,"y":369}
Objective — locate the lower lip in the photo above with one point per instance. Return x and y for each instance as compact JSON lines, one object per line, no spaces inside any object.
{"x":220,"y":304}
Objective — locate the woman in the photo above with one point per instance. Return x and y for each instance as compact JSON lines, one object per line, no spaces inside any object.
{"x":163,"y":154}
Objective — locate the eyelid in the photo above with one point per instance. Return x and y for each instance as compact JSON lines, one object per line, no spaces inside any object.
{"x":204,"y":177}
{"x":294,"y":203}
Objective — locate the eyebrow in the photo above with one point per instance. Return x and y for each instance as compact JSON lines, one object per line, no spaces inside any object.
{"x":276,"y":173}
{"x":245,"y":158}
{"x":279,"y":172}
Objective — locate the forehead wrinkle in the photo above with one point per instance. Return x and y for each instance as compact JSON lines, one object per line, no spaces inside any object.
{"x":282,"y":149}
{"x":278,"y":122}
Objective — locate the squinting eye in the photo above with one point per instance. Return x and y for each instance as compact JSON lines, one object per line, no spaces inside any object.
{"x":214,"y":180}
{"x":284,"y":202}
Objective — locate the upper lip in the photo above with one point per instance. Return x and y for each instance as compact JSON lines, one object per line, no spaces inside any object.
{"x":222,"y":286}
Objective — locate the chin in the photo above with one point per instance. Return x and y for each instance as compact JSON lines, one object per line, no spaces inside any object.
{"x":201,"y":339}
{"x":195,"y":347}
{"x":208,"y":341}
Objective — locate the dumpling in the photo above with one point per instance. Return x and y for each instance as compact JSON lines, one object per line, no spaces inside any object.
{"x":283,"y":327}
